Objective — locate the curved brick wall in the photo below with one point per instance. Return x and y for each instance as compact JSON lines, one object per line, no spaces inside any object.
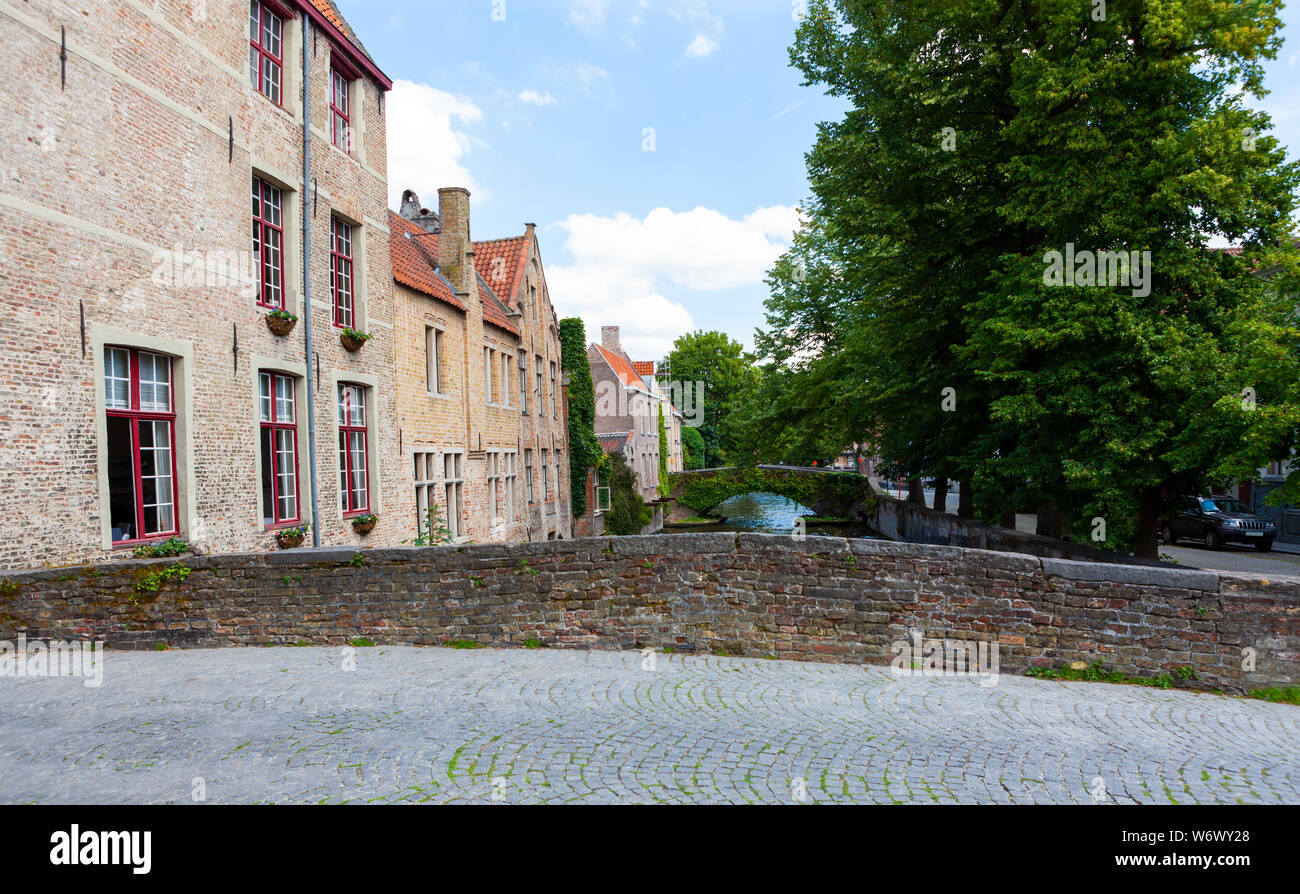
{"x":751,"y":594}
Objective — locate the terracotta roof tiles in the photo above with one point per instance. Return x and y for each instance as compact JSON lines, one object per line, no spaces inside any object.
{"x":415,"y":260}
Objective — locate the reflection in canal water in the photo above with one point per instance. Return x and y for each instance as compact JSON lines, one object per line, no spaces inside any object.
{"x":769,"y":513}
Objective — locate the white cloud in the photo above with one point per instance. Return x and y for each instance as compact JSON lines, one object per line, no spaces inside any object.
{"x":588,"y":15}
{"x":587,"y":74}
{"x":426,"y":150}
{"x":702,"y":46}
{"x":622,"y":266}
{"x":533,"y":98}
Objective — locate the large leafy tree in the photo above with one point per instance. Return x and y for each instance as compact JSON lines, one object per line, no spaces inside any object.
{"x":727,"y":377}
{"x":983,"y":134}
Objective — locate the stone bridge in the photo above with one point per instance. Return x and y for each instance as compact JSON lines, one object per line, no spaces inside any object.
{"x":828,"y":493}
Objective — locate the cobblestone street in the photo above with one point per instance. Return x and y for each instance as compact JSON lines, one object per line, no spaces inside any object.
{"x":290,"y":725}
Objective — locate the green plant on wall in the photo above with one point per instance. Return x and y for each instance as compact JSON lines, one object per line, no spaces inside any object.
{"x":664,"y":486}
{"x":628,"y":513}
{"x":584,"y":449}
{"x":434,"y":531}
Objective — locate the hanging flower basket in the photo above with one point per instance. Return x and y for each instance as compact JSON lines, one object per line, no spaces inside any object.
{"x":364,"y":524}
{"x":290,"y":538}
{"x":353,"y":340}
{"x":281,"y":322}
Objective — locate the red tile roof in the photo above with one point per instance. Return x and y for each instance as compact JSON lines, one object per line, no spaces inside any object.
{"x":614,"y":442}
{"x":331,"y":12}
{"x":622,"y":368}
{"x":644,"y":367}
{"x":415,"y":260}
{"x":494,"y":312}
{"x":501,"y":263}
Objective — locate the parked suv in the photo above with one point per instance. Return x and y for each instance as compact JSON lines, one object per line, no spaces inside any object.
{"x":1217,"y":520}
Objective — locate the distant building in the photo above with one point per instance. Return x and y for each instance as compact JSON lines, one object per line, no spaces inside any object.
{"x":627,"y":415}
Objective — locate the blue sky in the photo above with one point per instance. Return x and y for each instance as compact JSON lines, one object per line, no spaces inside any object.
{"x":543,"y":115}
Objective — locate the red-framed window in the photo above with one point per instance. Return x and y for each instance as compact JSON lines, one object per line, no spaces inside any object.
{"x":341,"y":271}
{"x":141,"y":444}
{"x":354,"y":467}
{"x":268,"y":243}
{"x":340,"y":114}
{"x":265,"y":49}
{"x":279,"y":446}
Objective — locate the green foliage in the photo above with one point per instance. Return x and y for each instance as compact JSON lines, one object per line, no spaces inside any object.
{"x":664,"y":486}
{"x":355,"y":333}
{"x":703,"y":492}
{"x":435,"y":530}
{"x":534,"y":643}
{"x":152,"y":581}
{"x":693,"y":448}
{"x":283,"y":315}
{"x":628,"y":513}
{"x":1097,"y":673}
{"x":173,"y":546}
{"x":525,"y":568}
{"x":368,"y":519}
{"x":357,"y":561}
{"x":463,"y":644}
{"x":584,"y":450}
{"x":729,"y":377}
{"x":979,"y":138}
{"x":1289,"y":695}
{"x":361,"y":642}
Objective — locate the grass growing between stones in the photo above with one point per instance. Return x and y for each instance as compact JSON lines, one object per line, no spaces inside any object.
{"x":1289,"y":695}
{"x":1097,"y":673}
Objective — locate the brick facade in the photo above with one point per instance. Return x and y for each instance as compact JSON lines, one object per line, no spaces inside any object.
{"x":489,"y":306}
{"x":147,"y":151}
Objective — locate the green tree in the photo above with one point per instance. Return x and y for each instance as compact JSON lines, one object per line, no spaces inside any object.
{"x":628,"y":513}
{"x":693,"y":448}
{"x":916,"y":310}
{"x":584,"y":449}
{"x":728,"y":377}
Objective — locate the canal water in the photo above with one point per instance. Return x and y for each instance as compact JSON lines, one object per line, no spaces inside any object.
{"x":769,"y":514}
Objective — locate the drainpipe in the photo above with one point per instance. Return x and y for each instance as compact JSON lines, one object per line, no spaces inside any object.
{"x":306,"y":277}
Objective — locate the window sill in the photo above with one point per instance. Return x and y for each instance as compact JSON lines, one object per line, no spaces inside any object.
{"x":152,"y":538}
{"x":281,"y":526}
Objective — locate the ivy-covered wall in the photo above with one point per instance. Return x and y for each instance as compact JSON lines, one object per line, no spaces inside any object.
{"x":584,"y":449}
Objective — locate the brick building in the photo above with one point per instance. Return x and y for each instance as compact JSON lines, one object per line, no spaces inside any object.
{"x":481,"y":410}
{"x":163,"y":191}
{"x":627,"y":416}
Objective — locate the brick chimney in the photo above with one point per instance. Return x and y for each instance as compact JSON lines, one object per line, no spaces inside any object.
{"x":417,"y":214}
{"x":455,"y":251}
{"x":609,"y":339}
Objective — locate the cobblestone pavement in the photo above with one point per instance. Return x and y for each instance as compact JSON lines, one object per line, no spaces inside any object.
{"x":525,"y":726}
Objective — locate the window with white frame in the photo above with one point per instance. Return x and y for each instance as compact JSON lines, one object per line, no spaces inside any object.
{"x":487,"y":375}
{"x":454,"y":483}
{"x":354,"y":469}
{"x":433,"y":360}
{"x":141,"y":436}
{"x":511,"y":475}
{"x":528,"y":475}
{"x":279,"y":446}
{"x":546,"y":481}
{"x":493,"y":487}
{"x":426,"y":492}
{"x":523,"y":381}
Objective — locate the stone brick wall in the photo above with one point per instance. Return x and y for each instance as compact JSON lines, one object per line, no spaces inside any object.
{"x":748,"y":594}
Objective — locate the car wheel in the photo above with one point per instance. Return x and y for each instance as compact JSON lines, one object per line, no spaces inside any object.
{"x":1167,"y":534}
{"x":1212,"y":538}
{"x":1264,"y":546}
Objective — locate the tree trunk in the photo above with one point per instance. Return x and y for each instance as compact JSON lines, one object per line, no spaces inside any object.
{"x":966,"y":499}
{"x":1008,"y":519}
{"x":1051,"y":521}
{"x":915,"y":493}
{"x":941,"y":494}
{"x":1146,"y":539}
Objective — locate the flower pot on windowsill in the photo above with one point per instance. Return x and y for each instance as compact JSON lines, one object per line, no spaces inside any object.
{"x":364,"y":524}
{"x":353,"y":340}
{"x":281,"y":322}
{"x":290,"y":538}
